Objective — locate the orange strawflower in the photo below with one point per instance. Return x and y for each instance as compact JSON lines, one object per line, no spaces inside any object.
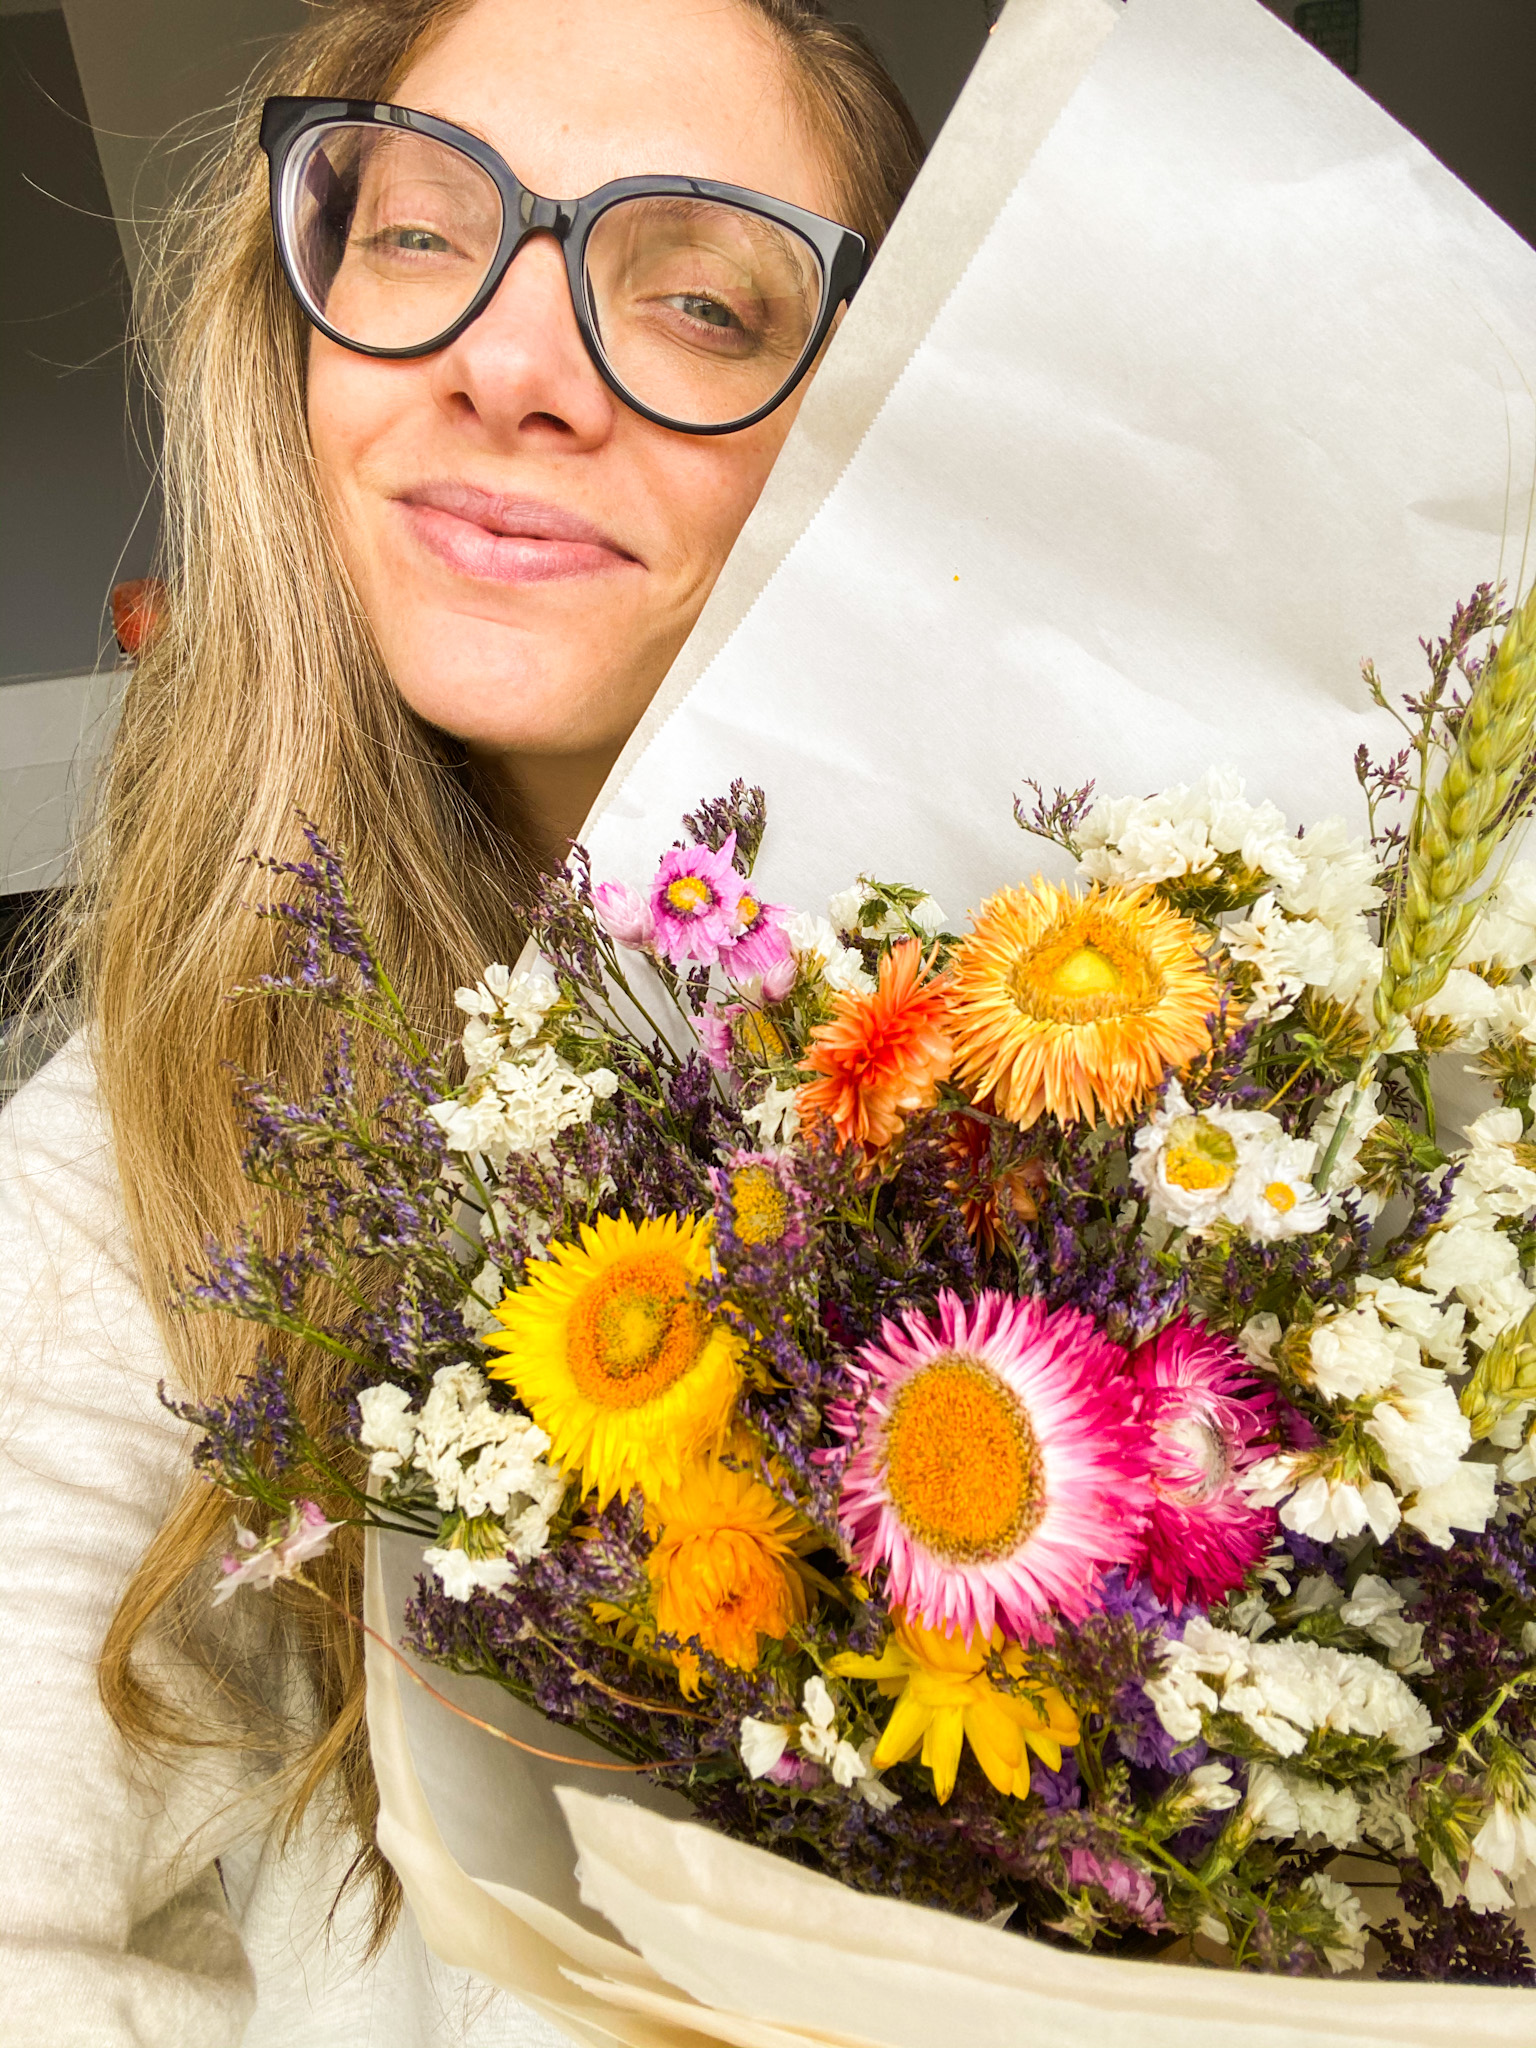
{"x":723,"y":1569}
{"x":1076,"y":1006}
{"x":882,"y":1055}
{"x":988,"y":1200}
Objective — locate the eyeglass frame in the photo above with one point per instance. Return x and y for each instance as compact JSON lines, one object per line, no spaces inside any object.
{"x":842,"y":252}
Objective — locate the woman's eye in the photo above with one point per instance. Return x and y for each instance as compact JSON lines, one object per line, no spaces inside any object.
{"x":411,"y":241}
{"x":711,"y":311}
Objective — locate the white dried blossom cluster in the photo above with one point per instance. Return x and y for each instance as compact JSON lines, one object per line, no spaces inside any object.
{"x":763,"y":1745}
{"x":518,"y":1095}
{"x":1284,"y":1692}
{"x":1187,"y":830}
{"x":485,"y":1465}
{"x":1237,"y":1167}
{"x":1347,"y":1950}
{"x":818,"y":949}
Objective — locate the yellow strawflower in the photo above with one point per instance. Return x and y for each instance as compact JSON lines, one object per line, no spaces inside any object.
{"x":610,"y":1352}
{"x":723,"y":1567}
{"x":945,"y":1699}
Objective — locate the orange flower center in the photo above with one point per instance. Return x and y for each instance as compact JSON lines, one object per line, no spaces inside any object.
{"x":961,"y":1462}
{"x":1281,"y":1196}
{"x":760,"y":1204}
{"x":689,"y":893}
{"x":635,"y":1331}
{"x":1084,"y":967}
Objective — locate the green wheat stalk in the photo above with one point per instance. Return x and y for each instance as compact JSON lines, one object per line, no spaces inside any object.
{"x":1461,"y":824}
{"x":1458,"y":827}
{"x":1503,"y":1379}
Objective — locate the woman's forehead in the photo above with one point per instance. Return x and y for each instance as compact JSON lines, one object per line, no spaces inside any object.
{"x":582,"y":91}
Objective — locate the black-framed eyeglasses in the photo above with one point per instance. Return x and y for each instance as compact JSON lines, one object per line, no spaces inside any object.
{"x":702,"y":305}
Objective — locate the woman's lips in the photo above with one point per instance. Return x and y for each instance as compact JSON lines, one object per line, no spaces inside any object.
{"x":507,"y":540}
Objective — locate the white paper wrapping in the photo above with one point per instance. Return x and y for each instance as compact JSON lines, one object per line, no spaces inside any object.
{"x":1186,"y":380}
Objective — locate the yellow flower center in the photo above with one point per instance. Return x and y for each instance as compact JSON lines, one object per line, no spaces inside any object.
{"x":761,"y":1207}
{"x":1083,"y":967}
{"x":760,"y":1036}
{"x":961,"y":1461}
{"x":748,"y":910}
{"x":1200,"y":1157}
{"x":635,"y":1331}
{"x":689,"y":893}
{"x":1280,"y":1195}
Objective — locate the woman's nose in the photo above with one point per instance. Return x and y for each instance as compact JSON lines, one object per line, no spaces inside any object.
{"x":521,"y":368}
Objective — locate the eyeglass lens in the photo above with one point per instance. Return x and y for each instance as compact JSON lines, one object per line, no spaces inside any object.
{"x":702,"y":311}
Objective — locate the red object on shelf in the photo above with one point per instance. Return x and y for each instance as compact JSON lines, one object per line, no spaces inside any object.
{"x":137,"y":609}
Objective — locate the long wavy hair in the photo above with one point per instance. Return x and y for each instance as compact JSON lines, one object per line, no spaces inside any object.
{"x":261,"y":695}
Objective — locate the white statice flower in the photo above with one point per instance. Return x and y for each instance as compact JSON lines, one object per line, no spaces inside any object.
{"x":818,"y":1737}
{"x":472,"y":1121}
{"x":819,"y":950}
{"x":1467,"y":1002}
{"x":1283,"y":1804}
{"x":461,"y":1575}
{"x":1520,"y":1465}
{"x":761,"y":1743}
{"x":872,"y":1788}
{"x":774,"y":1117}
{"x":522,"y":1105}
{"x":1420,"y":1427}
{"x":517,"y":1003}
{"x":1440,"y":1333}
{"x":1287,"y":954}
{"x":1347,"y":1950}
{"x":1186,"y":831}
{"x":482,"y":1460}
{"x":1354,"y":1355}
{"x":1321,"y":1505}
{"x":1384,"y":1815}
{"x":1475,"y":1261}
{"x":1517,"y":1011}
{"x":1497,"y":1179}
{"x":1463,"y":1500}
{"x":1504,"y":930}
{"x":1283,"y":1691}
{"x":1257,"y":1340}
{"x":1339,"y":880}
{"x":1376,"y":1608}
{"x":1506,"y":1843}
{"x":388,"y":1429}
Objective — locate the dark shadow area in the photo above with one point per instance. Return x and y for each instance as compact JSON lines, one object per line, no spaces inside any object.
{"x":73,"y":476}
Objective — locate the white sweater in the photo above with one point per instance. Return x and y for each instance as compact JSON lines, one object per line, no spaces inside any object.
{"x":145,"y":1907}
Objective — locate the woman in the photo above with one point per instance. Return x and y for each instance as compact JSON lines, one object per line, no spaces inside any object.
{"x":436,"y":530}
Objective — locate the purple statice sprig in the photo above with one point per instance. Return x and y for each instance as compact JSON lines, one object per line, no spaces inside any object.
{"x":742,"y":813}
{"x":256,"y":1445}
{"x":1057,"y":818}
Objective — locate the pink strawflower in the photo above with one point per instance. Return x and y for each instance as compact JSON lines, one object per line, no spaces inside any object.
{"x":997,"y":1470}
{"x":1205,"y":1420}
{"x":624,"y":914}
{"x":695,"y":901}
{"x":264,"y":1562}
{"x":1128,"y":1887}
{"x":779,"y":979}
{"x":715,"y":1037}
{"x":762,"y":944}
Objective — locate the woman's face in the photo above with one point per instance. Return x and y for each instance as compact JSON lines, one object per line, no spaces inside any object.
{"x":531,"y":553}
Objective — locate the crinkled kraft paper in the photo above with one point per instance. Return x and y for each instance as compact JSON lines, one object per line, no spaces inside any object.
{"x":1185,"y":380}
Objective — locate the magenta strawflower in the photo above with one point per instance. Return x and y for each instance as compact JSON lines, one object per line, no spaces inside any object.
{"x":997,"y":1470}
{"x":695,"y":902}
{"x":1205,"y":1420}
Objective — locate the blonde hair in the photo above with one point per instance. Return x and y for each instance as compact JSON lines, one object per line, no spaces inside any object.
{"x":261,"y":694}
